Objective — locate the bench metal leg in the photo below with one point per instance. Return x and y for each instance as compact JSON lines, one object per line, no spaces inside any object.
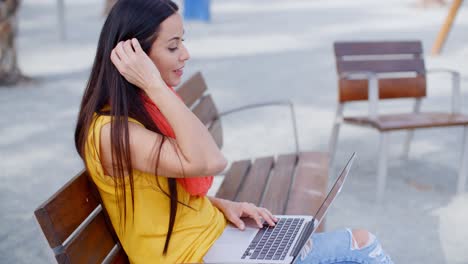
{"x":406,"y":147}
{"x":334,"y":136}
{"x":333,"y":142}
{"x":409,"y":136}
{"x":382,"y":169}
{"x":463,"y":163}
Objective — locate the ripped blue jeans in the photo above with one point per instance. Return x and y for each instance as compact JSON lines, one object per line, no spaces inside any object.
{"x":337,"y":248}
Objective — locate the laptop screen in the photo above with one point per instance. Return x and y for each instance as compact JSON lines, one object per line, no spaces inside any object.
{"x":336,"y":188}
{"x":322,"y":211}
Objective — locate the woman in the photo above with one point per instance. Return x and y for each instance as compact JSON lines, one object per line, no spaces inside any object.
{"x":149,"y":155}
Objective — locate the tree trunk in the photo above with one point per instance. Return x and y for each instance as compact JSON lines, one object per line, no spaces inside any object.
{"x":9,"y":71}
{"x":109,"y":5}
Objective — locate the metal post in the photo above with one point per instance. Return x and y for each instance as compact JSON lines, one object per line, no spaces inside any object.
{"x":463,"y":163}
{"x":409,"y":136}
{"x":294,"y":122}
{"x":382,"y":169}
{"x":373,"y":96}
{"x":456,"y":93}
{"x":334,"y":135}
{"x":61,"y":18}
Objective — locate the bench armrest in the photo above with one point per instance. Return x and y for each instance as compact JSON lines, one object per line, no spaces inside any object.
{"x":373,"y":88}
{"x":268,"y":104}
{"x":456,"y":91}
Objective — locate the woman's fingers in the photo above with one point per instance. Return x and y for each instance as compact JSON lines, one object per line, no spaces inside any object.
{"x":233,"y":214}
{"x":121,"y":52}
{"x":136,"y":45}
{"x":267,"y":216}
{"x":127,"y":47}
{"x":271,"y":215}
{"x":116,"y":60}
{"x":237,"y":221}
{"x":252,"y":211}
{"x":134,"y":64}
{"x":257,"y":213}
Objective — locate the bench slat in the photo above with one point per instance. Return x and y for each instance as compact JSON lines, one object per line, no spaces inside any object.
{"x":116,"y":256}
{"x":309,"y":185}
{"x":92,"y":244}
{"x":382,"y":66}
{"x":192,"y":89}
{"x":233,"y":180}
{"x":120,"y":257}
{"x":217,"y":132}
{"x":276,"y":193}
{"x":66,"y":209}
{"x":389,"y":88}
{"x":206,"y":110}
{"x":377,"y":48}
{"x":252,"y":189}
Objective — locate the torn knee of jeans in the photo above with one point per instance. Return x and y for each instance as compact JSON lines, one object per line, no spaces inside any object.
{"x":355,"y":244}
{"x":361,"y":243}
{"x":376,"y":252}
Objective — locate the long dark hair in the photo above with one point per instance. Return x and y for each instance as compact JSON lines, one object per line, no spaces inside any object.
{"x":128,"y":19}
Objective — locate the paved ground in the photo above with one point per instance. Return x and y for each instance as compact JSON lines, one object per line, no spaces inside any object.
{"x":253,"y":50}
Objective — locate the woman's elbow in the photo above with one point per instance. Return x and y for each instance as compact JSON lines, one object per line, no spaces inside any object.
{"x":222,"y":164}
{"x":211,"y":166}
{"x":217,"y":165}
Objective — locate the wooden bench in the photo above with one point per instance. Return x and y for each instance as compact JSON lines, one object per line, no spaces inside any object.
{"x":77,"y":228}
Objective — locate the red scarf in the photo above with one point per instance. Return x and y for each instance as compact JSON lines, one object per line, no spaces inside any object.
{"x":194,"y":186}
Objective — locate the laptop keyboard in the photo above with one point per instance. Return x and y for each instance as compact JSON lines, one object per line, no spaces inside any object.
{"x":273,"y":243}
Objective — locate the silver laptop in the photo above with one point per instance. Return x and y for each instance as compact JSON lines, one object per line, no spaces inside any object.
{"x":278,"y":244}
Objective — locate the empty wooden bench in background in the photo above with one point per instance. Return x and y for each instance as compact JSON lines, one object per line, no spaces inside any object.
{"x":373,"y":71}
{"x":77,"y":228}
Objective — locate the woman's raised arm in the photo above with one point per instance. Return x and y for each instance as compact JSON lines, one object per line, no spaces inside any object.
{"x":193,"y":153}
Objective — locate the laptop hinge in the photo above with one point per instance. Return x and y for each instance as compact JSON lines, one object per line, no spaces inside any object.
{"x":303,"y":238}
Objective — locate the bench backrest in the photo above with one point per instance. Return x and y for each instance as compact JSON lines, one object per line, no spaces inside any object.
{"x":402,"y":62}
{"x":75,"y":225}
{"x":192,"y":92}
{"x":73,"y":221}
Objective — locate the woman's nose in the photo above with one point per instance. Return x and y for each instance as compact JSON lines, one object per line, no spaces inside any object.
{"x":185,"y":54}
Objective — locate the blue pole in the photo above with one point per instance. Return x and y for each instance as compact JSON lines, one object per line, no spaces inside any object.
{"x":197,"y":10}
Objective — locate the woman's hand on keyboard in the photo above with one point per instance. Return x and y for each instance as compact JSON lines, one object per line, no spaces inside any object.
{"x":233,"y":211}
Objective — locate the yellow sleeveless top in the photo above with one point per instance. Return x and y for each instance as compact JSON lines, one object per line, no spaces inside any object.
{"x":195,"y":230}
